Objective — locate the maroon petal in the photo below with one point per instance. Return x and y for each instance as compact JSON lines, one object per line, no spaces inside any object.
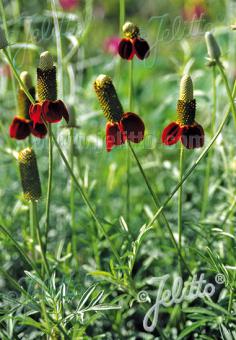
{"x":19,"y":128}
{"x":38,"y":130}
{"x":53,"y":111}
{"x":126,"y":49}
{"x":193,"y":136}
{"x":132,"y":127}
{"x":35,"y":113}
{"x":171,"y":134}
{"x":114,"y":135}
{"x":142,"y":48}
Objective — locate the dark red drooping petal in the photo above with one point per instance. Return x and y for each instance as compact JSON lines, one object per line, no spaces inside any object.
{"x":53,"y":111}
{"x":132,"y":127}
{"x":193,"y":136}
{"x":38,"y":130}
{"x":141,"y":48}
{"x":171,"y":134}
{"x":19,"y":128}
{"x":114,"y":135}
{"x":126,"y":49}
{"x":35,"y":113}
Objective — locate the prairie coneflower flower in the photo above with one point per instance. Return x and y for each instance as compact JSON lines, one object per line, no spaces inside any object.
{"x":185,"y":128}
{"x":120,"y":126}
{"x":21,"y":126}
{"x":49,"y":108}
{"x":111,"y":45}
{"x":69,"y":4}
{"x":132,"y":44}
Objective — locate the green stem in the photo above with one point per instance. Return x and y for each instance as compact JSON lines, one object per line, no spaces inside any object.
{"x":157,"y":203}
{"x":4,"y":21}
{"x":32,"y":232}
{"x":38,"y":234}
{"x":122,"y":15}
{"x":180,"y":201}
{"x":72,"y":194}
{"x":220,"y":66}
{"x":17,"y":76}
{"x":59,"y":48}
{"x":49,"y":188}
{"x":231,"y":295}
{"x":128,"y":151}
{"x":189,"y":172}
{"x":209,"y":158}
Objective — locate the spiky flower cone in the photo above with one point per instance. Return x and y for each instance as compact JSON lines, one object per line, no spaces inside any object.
{"x":186,"y":105}
{"x":108,"y":98}
{"x":46,"y":78}
{"x":29,"y":174}
{"x":130,"y":30}
{"x":3,"y":39}
{"x":23,"y":101}
{"x":213,"y":48}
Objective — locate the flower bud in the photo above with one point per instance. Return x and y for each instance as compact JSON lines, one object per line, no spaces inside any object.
{"x":46,"y":78}
{"x":29,"y":174}
{"x":108,"y":98}
{"x":130,"y":30}
{"x":3,"y":39}
{"x":213,"y":48}
{"x":23,"y":101}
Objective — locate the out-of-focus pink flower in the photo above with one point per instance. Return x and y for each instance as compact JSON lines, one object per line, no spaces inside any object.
{"x":193,"y":12}
{"x":5,"y":71}
{"x":111,"y":45}
{"x":69,"y":4}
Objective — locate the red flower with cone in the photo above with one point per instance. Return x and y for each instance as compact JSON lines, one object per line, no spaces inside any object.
{"x":22,"y":126}
{"x":120,"y":126}
{"x":185,"y":129}
{"x":132,"y":44}
{"x":49,"y":108}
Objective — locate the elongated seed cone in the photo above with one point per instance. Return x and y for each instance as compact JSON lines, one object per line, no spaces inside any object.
{"x":186,"y":89}
{"x":23,"y":101}
{"x":130,"y":30}
{"x":108,"y":98}
{"x":3,"y":39}
{"x":29,"y":174}
{"x":213,"y":48}
{"x":186,"y":112}
{"x":46,"y":78}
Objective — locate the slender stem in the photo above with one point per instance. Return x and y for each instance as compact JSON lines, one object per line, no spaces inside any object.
{"x":231,"y":295}
{"x":128,"y":151}
{"x":17,"y":76}
{"x":122,"y":14}
{"x":59,"y":48}
{"x":157,"y":203}
{"x":72,"y":193}
{"x":189,"y":172}
{"x":233,"y":108}
{"x":49,"y":188}
{"x":228,"y":213}
{"x":209,"y":158}
{"x":131,"y":86}
{"x":4,"y":21}
{"x":38,"y":234}
{"x":180,"y":201}
{"x":32,"y":232}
